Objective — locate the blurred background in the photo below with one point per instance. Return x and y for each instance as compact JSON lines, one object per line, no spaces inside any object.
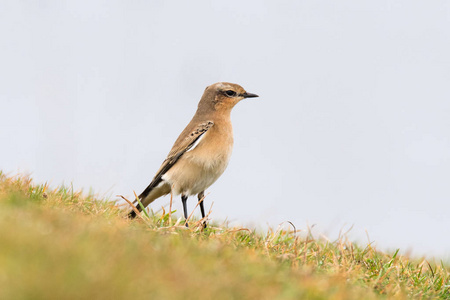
{"x":352,"y":127}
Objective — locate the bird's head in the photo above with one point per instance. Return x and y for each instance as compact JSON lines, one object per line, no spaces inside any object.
{"x":224,"y":96}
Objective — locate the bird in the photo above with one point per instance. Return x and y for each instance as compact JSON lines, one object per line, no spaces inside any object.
{"x":201,"y":152}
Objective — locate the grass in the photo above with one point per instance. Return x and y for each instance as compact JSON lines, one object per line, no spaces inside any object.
{"x":61,"y":244}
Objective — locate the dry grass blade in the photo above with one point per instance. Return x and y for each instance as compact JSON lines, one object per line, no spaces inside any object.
{"x":141,"y":205}
{"x":198,"y":203}
{"x":134,"y":208}
{"x":170,"y":206}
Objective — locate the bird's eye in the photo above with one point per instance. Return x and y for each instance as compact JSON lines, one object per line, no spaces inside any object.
{"x":230,"y":93}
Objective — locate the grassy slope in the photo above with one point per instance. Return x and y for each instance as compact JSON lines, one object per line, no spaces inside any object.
{"x":63,"y":245}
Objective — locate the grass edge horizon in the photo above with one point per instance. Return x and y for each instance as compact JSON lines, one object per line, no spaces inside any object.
{"x":304,"y":266}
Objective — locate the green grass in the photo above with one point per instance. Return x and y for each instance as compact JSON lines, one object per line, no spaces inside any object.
{"x":61,"y":244}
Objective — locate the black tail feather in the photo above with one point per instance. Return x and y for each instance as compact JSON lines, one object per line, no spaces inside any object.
{"x":132,"y":214}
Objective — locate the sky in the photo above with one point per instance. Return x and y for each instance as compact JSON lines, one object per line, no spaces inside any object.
{"x":351,"y":129}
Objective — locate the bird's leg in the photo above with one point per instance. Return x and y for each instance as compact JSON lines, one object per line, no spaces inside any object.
{"x":201,"y":195}
{"x":184,"y":199}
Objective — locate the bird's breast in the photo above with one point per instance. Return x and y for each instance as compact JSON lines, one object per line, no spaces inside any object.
{"x":213,"y":151}
{"x":200,"y":167}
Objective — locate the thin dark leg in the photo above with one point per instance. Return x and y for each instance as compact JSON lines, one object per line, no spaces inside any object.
{"x":202,"y":208}
{"x":184,"y":199}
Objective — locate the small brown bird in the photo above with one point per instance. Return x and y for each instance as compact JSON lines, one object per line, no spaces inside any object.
{"x":201,"y":152}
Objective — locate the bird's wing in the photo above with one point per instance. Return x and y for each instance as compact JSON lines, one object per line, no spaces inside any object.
{"x":185,"y":142}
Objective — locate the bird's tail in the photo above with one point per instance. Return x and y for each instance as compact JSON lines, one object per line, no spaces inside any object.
{"x":132,"y":214}
{"x":150,"y":194}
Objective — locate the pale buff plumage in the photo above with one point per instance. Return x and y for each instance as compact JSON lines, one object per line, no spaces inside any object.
{"x":202,"y":151}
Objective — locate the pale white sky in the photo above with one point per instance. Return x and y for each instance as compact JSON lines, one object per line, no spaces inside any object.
{"x":352,"y":126}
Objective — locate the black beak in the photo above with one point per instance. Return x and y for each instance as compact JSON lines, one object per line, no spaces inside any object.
{"x":249,"y":95}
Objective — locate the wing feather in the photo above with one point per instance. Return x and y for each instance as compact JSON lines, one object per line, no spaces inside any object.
{"x":181,"y":146}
